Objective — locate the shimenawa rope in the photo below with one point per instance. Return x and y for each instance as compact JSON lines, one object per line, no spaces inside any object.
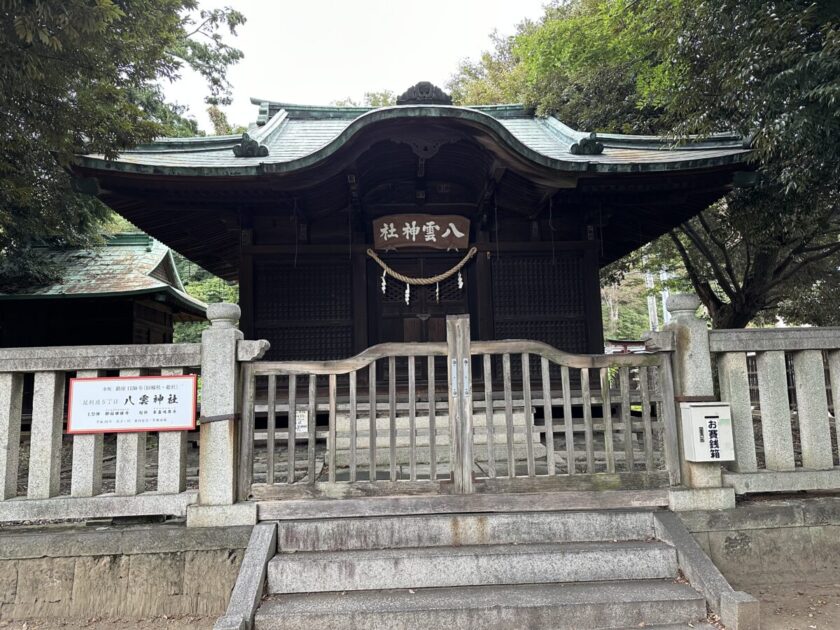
{"x":423,"y":281}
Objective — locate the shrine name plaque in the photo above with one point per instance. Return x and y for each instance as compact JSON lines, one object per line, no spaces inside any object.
{"x":448,"y":232}
{"x":132,"y":403}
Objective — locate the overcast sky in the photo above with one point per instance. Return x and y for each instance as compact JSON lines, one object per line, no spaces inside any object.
{"x":317,"y":51}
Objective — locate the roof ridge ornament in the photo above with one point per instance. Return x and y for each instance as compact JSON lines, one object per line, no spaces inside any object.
{"x":250,"y":148}
{"x":424,"y":93}
{"x":587,"y":146}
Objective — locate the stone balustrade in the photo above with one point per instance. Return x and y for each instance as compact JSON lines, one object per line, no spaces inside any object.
{"x":784,"y":443}
{"x":46,"y":474}
{"x":33,"y":395}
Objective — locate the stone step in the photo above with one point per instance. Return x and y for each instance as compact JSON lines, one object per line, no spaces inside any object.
{"x":598,"y":605}
{"x":474,"y":565}
{"x":437,"y":530}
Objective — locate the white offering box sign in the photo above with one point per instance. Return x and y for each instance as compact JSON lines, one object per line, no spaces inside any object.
{"x":131,"y":404}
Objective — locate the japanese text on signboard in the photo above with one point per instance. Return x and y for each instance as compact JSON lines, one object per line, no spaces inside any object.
{"x":421,"y":231}
{"x":144,"y":403}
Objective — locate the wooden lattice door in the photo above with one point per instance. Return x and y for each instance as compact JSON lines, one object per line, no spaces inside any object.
{"x":423,"y":318}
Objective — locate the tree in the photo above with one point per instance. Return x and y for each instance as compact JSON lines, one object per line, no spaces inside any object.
{"x":769,"y":70}
{"x":83,"y":76}
{"x":624,"y":308}
{"x":221,"y":126}
{"x":498,"y":76}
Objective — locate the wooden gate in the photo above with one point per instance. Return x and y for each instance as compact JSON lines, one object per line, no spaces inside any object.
{"x":459,"y":417}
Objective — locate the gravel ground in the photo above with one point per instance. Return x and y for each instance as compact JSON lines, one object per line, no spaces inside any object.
{"x":799,"y":606}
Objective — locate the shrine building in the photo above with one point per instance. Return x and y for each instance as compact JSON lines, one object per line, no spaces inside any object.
{"x":351,"y":226}
{"x":125,"y":291}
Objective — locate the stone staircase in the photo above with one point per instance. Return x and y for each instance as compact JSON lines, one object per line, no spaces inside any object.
{"x":558,"y":570}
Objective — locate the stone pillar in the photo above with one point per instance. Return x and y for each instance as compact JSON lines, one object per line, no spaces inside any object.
{"x":218,"y":445}
{"x":693,"y":381}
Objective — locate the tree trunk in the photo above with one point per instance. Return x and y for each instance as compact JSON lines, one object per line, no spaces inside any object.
{"x":729,"y":315}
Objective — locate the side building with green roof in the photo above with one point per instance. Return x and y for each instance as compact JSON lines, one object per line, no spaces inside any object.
{"x":126,"y":291}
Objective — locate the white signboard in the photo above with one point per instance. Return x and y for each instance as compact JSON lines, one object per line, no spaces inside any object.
{"x":707,"y":432}
{"x":132,"y":404}
{"x":301,"y":422}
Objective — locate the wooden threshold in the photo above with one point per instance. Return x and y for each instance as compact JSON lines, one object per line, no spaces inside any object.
{"x":457,"y":504}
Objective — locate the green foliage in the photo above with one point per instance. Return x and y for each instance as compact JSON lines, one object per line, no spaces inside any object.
{"x":82,"y":76}
{"x":624,"y":308}
{"x":498,"y":76}
{"x":816,"y":301}
{"x":588,"y":61}
{"x":769,"y":70}
{"x":221,"y":126}
{"x":213,"y":290}
{"x":208,"y":288}
{"x":202,"y":47}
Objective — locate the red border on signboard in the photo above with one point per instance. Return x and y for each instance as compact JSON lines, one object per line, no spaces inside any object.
{"x":189,"y":427}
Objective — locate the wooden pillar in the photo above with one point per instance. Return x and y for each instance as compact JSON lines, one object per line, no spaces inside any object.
{"x":460,"y":401}
{"x":246,"y":283}
{"x":484,"y":291}
{"x":592,"y":299}
{"x":360,"y":302}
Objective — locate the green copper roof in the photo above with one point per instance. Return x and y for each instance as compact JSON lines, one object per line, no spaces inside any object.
{"x":126,"y":265}
{"x":287,"y":138}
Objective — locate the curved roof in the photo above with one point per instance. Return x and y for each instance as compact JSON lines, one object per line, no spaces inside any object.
{"x":126,"y":265}
{"x":289,"y":138}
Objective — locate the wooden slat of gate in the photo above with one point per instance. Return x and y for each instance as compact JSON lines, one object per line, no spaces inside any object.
{"x":271,"y":424}
{"x":511,"y":464}
{"x":587,"y":420}
{"x":606,"y":412}
{"x":392,"y":415}
{"x":412,"y":410}
{"x":246,"y":444}
{"x":646,"y":423}
{"x":547,"y":414}
{"x":488,"y":412}
{"x":526,"y":394}
{"x":372,"y":422}
{"x":352,"y":426}
{"x":312,"y":427}
{"x":432,"y":421}
{"x":624,"y":383}
{"x":292,"y":425}
{"x":331,"y":439}
{"x":569,"y":421}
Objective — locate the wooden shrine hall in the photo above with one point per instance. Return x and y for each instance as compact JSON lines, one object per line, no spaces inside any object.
{"x":350,"y":226}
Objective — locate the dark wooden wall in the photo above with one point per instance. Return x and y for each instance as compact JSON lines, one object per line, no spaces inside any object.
{"x":83,"y":321}
{"x":329,"y":306}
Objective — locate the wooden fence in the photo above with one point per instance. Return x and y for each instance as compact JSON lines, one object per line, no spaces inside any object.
{"x":439,"y":418}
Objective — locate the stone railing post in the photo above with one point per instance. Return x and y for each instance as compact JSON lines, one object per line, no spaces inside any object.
{"x":694,"y":382}
{"x":218,"y":432}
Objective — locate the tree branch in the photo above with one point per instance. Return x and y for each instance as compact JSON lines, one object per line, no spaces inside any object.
{"x":827,"y":252}
{"x":720,"y":276}
{"x":199,"y":27}
{"x":727,"y":261}
{"x":712,"y":301}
